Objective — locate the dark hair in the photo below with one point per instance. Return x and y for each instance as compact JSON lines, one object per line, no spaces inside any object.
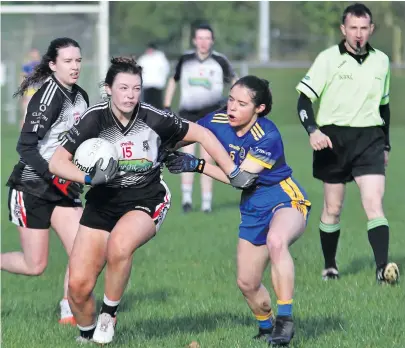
{"x":357,"y":10}
{"x":203,"y":27}
{"x":122,"y":65}
{"x":42,"y":71}
{"x":260,"y":89}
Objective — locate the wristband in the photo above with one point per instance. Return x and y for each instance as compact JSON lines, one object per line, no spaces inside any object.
{"x":200,"y":166}
{"x":87,"y":180}
{"x":387,"y":148}
{"x":234,"y":172}
{"x":311,"y":129}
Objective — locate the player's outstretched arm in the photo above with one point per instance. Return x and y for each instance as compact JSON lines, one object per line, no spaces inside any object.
{"x":61,"y":165}
{"x":180,"y":162}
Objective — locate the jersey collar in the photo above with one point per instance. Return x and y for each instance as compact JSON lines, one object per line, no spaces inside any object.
{"x":202,"y":60}
{"x":70,"y":94}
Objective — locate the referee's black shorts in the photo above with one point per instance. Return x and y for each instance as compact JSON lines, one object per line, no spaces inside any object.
{"x":356,"y":152}
{"x":195,"y":115}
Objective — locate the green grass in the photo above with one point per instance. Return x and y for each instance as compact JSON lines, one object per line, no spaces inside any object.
{"x":183,"y":289}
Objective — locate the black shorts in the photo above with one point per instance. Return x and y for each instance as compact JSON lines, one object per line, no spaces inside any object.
{"x":30,"y":211}
{"x":356,"y":152}
{"x":195,"y":115}
{"x":105,"y":206}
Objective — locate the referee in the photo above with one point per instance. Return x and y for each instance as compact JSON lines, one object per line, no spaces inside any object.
{"x":350,"y":136}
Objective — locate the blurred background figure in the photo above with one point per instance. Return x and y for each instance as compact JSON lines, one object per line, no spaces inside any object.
{"x":156,"y":69}
{"x":32,"y":60}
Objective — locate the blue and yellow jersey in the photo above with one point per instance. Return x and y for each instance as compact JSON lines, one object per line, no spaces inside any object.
{"x":27,"y":69}
{"x":262,"y":143}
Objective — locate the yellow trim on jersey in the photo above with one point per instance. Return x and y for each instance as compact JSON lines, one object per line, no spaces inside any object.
{"x":218,"y":121}
{"x":220,"y":118}
{"x":254,"y":133}
{"x":298,"y":200}
{"x":221,"y":115}
{"x":262,"y":163}
{"x":259,"y":129}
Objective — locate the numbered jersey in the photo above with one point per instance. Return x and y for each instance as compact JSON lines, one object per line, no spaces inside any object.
{"x":139,"y":143}
{"x":51,"y":112}
{"x":262,"y":144}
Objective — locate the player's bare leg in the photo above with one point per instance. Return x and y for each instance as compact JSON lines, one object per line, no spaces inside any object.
{"x":65,"y":222}
{"x":33,"y":258}
{"x":132,"y":231}
{"x":206,"y":185}
{"x":187,"y":180}
{"x":252,"y":261}
{"x":329,"y":227}
{"x":285,"y":227}
{"x":372,"y":189}
{"x":86,"y":262}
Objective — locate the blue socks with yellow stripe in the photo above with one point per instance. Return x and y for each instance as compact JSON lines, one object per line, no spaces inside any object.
{"x":378,"y":236}
{"x":264,"y":321}
{"x":284,"y":308}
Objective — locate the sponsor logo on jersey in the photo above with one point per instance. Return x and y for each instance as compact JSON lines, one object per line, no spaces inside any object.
{"x":127,"y":143}
{"x":258,"y":150}
{"x":200,"y":82}
{"x":235,"y":147}
{"x":138,"y":165}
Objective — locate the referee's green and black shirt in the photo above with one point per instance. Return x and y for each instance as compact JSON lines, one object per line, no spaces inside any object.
{"x":350,"y":90}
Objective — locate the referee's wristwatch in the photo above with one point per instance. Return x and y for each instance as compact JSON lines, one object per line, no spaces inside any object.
{"x":311,"y":129}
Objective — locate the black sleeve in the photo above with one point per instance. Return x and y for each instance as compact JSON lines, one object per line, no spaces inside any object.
{"x":227,"y":69}
{"x":306,"y":113}
{"x":42,"y":111}
{"x":386,"y":116}
{"x":171,"y":129}
{"x":177,"y":71}
{"x":86,"y":127}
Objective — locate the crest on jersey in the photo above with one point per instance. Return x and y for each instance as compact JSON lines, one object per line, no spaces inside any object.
{"x":242,"y":153}
{"x":76,"y":117}
{"x":146,"y":146}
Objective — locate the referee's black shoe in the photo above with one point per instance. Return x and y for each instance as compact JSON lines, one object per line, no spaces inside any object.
{"x":388,"y":274}
{"x":330,"y":273}
{"x":283,"y":331}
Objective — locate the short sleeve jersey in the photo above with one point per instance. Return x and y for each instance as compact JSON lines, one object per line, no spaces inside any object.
{"x":139,"y":143}
{"x":202,"y":81}
{"x":262,"y":144}
{"x":350,"y":91}
{"x":51,"y":112}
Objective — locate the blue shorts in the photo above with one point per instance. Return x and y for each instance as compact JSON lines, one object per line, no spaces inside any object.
{"x":257,"y":208}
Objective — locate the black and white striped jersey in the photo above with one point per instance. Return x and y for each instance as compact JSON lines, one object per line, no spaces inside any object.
{"x":51,"y":112}
{"x":139,"y":143}
{"x":202,"y":81}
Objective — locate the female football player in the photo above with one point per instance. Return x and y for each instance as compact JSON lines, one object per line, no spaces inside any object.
{"x":273,"y":213}
{"x":38,"y":199}
{"x":127,"y":203}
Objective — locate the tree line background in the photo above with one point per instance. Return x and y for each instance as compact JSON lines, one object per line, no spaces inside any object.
{"x":299,"y":30}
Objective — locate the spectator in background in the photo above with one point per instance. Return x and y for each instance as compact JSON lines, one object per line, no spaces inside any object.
{"x":32,"y":60}
{"x":156,"y":69}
